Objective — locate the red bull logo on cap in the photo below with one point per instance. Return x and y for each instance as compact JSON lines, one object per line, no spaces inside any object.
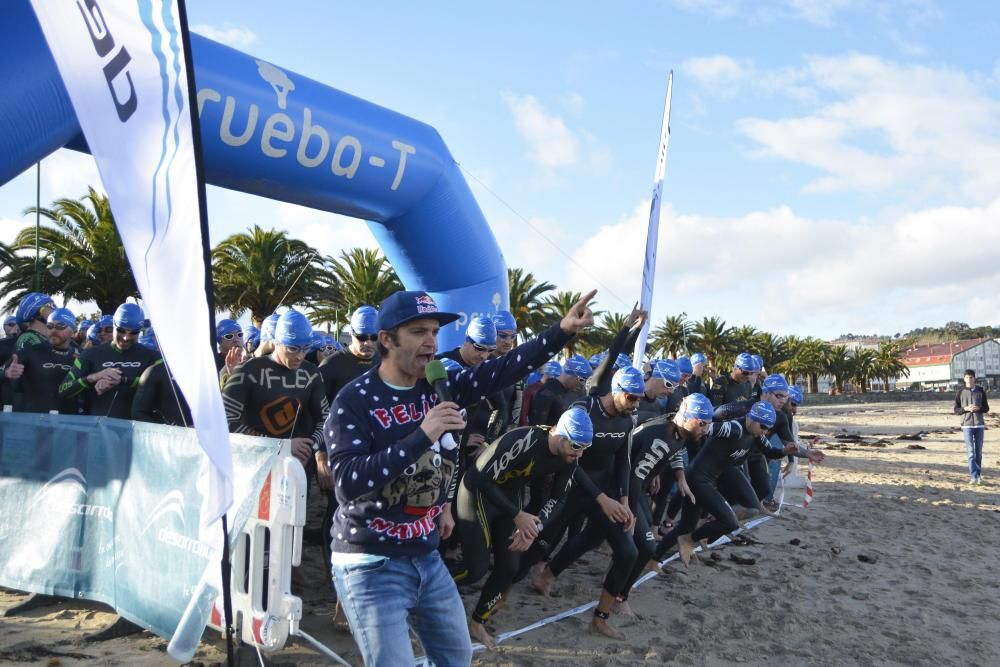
{"x":425,"y":304}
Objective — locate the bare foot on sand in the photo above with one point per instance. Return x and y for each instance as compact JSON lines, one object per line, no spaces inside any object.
{"x":653,"y":566}
{"x":624,"y":610}
{"x":479,"y":633}
{"x":340,"y":619}
{"x":599,"y":626}
{"x":685,"y":546}
{"x":543,"y":579}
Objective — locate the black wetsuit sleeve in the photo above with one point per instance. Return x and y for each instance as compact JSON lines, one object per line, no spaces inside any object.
{"x":235,"y":396}
{"x":583,"y":480}
{"x":601,"y":383}
{"x":717,"y":394}
{"x":783,"y":429}
{"x":623,"y":465}
{"x":769,"y":450}
{"x":146,"y":397}
{"x":734,"y":410}
{"x":554,"y":506}
{"x":76,"y":379}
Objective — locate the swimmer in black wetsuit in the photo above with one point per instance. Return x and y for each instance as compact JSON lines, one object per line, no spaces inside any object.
{"x":107,"y":375}
{"x":656,"y":445}
{"x":661,"y":382}
{"x":37,"y":371}
{"x":735,"y":386}
{"x":280,"y":395}
{"x":717,"y":463}
{"x":491,"y":500}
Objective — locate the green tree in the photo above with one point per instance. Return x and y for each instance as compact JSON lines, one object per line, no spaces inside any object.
{"x":672,"y":335}
{"x":863,"y":368}
{"x":711,"y":337}
{"x":743,"y":339}
{"x":84,"y":235}
{"x":555,"y":306}
{"x":526,"y":297}
{"x":838,"y":365}
{"x":774,"y":349}
{"x":889,"y":363}
{"x":262,"y":269}
{"x":359,"y":276}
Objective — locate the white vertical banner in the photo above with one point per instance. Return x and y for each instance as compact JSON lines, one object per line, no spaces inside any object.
{"x":653,"y":231}
{"x":124,"y":67}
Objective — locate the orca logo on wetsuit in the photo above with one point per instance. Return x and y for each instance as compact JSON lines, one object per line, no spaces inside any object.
{"x":122,"y":364}
{"x":63,"y":367}
{"x":278,"y":416}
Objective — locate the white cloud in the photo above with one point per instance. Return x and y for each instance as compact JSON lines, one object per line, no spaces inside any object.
{"x":890,"y":124}
{"x":719,"y":74}
{"x":786,"y":273}
{"x":238,"y":37}
{"x":551,"y":142}
{"x":821,"y":13}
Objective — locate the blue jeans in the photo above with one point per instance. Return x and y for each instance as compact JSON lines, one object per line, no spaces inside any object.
{"x":774,"y":467}
{"x":974,"y":448}
{"x":380,"y":599}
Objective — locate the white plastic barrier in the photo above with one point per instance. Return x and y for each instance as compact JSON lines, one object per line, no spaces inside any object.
{"x":264,"y":610}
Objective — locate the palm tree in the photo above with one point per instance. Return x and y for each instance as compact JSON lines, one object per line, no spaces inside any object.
{"x":263,"y":269}
{"x":809,"y":360}
{"x":744,"y":338}
{"x":838,"y":364}
{"x":711,"y":337}
{"x":86,"y":240}
{"x":889,"y":364}
{"x":863,"y":368}
{"x":555,"y":306}
{"x":774,"y":349}
{"x":672,"y":335}
{"x":526,"y":296}
{"x":360,"y":276}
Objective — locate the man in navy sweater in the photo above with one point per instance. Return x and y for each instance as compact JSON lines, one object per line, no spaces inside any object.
{"x":393,"y":470}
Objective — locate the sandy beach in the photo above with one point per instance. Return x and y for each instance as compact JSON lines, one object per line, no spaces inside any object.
{"x":894,"y":563}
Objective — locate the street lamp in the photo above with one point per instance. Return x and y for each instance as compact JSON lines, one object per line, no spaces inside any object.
{"x":56,"y":266}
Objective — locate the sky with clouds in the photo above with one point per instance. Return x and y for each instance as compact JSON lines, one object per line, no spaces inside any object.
{"x":834,"y":165}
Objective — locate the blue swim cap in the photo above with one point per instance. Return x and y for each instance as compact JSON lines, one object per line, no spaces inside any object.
{"x":759,"y":360}
{"x":504,"y":320}
{"x":293,"y":329}
{"x":533,"y":377}
{"x":666,"y":370}
{"x":364,"y":321}
{"x":316,"y":341}
{"x":94,"y":333}
{"x":698,"y":358}
{"x":84,"y":326}
{"x":481,"y":331}
{"x":30,"y":305}
{"x":223,"y":327}
{"x":552,"y":368}
{"x":795,"y":394}
{"x":595,"y":360}
{"x":330,"y":341}
{"x":575,"y":424}
{"x":623,"y":361}
{"x":13,"y":320}
{"x":774,"y":383}
{"x":105,"y":321}
{"x":148,"y":339}
{"x":628,"y":380}
{"x":267,"y":327}
{"x":763,"y":413}
{"x":450,"y":364}
{"x":746,"y":362}
{"x":129,"y":316}
{"x":684,"y":365}
{"x":63,"y":316}
{"x":577,"y":366}
{"x":697,"y":406}
{"x":250,"y":331}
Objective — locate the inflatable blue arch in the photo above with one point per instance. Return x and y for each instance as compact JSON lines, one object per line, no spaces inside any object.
{"x":273,"y":133}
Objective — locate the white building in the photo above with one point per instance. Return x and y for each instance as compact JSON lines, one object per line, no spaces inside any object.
{"x":942,"y":365}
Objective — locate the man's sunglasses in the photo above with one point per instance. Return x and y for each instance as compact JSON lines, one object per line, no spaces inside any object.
{"x":329,"y":348}
{"x":481,"y":348}
{"x":365,"y":338}
{"x":57,"y":327}
{"x":232,"y":334}
{"x":506,"y":336}
{"x":129,"y":332}
{"x":633,"y":398}
{"x":294,"y":349}
{"x":106,"y":329}
{"x":578,"y":446}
